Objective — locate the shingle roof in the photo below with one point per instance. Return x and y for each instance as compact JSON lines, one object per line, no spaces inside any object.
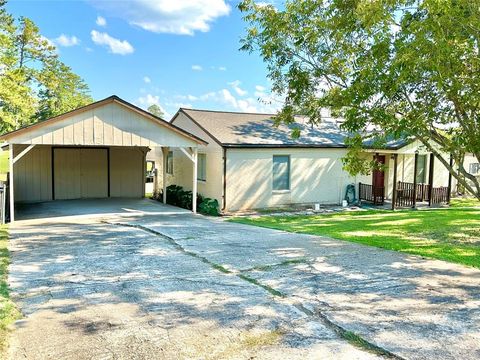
{"x":235,"y":129}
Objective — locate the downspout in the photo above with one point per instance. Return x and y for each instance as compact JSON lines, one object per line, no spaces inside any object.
{"x":224,"y":190}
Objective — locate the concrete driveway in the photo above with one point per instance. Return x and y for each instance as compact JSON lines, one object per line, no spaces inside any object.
{"x":142,"y":280}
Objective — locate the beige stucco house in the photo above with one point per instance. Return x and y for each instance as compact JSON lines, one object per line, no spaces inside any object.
{"x":101,"y":151}
{"x":249,"y":163}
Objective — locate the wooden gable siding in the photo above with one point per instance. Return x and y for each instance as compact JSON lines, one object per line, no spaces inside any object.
{"x":110,"y":124}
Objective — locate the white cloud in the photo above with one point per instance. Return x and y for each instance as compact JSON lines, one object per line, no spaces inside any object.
{"x":225,"y":97}
{"x":67,"y":41}
{"x":116,"y":46}
{"x":197,"y":68}
{"x":166,"y":16}
{"x":236,"y":86}
{"x":260,"y":88}
{"x":222,"y":68}
{"x":147,"y":80}
{"x":101,"y":21}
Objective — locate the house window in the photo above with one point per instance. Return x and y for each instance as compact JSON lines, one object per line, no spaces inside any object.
{"x":170,"y":163}
{"x":202,"y":167}
{"x":281,"y":172}
{"x":474,"y":168}
{"x":421,"y":169}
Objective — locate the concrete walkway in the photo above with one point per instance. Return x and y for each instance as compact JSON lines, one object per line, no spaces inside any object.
{"x":161,"y":284}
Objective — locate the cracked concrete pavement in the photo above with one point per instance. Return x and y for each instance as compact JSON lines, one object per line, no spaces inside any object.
{"x":139,"y":280}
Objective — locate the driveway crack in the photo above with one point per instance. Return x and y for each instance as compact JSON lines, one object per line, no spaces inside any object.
{"x":351,"y":337}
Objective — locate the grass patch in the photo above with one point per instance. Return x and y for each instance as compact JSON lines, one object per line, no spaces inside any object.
{"x":257,"y":283}
{"x":8,"y":311}
{"x":4,"y":165}
{"x":252,"y":340}
{"x":447,"y":234}
{"x":465,"y":202}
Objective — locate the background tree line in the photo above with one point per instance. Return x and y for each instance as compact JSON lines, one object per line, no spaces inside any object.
{"x":34,"y":84}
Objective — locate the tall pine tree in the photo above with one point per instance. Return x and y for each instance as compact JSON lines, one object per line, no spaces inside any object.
{"x":34,"y":83}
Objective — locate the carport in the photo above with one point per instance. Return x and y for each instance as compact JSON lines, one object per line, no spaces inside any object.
{"x":94,"y":152}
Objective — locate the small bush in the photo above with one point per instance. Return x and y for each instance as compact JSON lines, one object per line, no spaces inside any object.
{"x":177,"y":196}
{"x":208,"y":207}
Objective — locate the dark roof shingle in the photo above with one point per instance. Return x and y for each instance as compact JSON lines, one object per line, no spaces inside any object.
{"x":235,"y":129}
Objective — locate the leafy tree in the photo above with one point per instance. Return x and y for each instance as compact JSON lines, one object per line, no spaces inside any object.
{"x":391,"y":69}
{"x":155,"y":110}
{"x":34,"y":83}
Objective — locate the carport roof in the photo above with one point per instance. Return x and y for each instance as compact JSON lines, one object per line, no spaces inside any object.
{"x":111,"y":99}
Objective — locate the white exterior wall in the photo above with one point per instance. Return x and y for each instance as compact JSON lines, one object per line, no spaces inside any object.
{"x":33,"y":173}
{"x":183,"y":168}
{"x":316,"y":176}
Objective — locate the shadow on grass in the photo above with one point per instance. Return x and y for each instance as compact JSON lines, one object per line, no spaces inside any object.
{"x":447,"y":234}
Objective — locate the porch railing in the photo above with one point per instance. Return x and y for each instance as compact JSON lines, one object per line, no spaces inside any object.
{"x":439,"y":195}
{"x":405,"y":194}
{"x":423,"y":192}
{"x":370,"y":193}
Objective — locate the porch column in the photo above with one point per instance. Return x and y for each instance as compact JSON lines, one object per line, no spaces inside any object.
{"x":394,"y":193}
{"x":11,"y":185}
{"x":450,"y":181}
{"x":430,"y":178}
{"x":415,"y":169}
{"x":194,"y":187}
{"x":165,"y":151}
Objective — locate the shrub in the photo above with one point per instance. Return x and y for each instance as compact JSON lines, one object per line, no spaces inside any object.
{"x":177,"y":196}
{"x":208,"y":207}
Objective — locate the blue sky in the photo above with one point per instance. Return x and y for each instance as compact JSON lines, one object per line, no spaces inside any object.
{"x":170,"y":52}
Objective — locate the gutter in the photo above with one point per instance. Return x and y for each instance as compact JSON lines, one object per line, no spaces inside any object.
{"x":224,"y":190}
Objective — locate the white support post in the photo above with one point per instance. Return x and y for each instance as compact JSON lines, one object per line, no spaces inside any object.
{"x":23,"y":153}
{"x":10,"y":186}
{"x":194,"y":187}
{"x":164,"y":172}
{"x":187,"y":153}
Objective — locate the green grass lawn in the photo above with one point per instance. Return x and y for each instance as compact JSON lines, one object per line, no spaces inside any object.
{"x":465,"y":202}
{"x":451,"y":234}
{"x":8,"y":311}
{"x":3,"y":165}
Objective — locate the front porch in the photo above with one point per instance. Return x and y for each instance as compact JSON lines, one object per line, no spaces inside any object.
{"x":402,"y":181}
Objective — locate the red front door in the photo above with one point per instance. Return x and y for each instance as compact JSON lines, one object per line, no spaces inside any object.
{"x":379,"y":175}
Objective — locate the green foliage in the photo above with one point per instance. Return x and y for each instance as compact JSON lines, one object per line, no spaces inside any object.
{"x":34,"y":83}
{"x":8,"y":310}
{"x":155,"y":110}
{"x":177,"y":196}
{"x":4,"y":165}
{"x":393,"y":69}
{"x":446,"y":234}
{"x":208,"y":207}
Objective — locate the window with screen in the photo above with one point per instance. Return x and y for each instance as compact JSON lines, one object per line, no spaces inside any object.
{"x":474,"y":169}
{"x":421,"y":169}
{"x":281,"y":172}
{"x":202,"y":167}
{"x":170,"y":163}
